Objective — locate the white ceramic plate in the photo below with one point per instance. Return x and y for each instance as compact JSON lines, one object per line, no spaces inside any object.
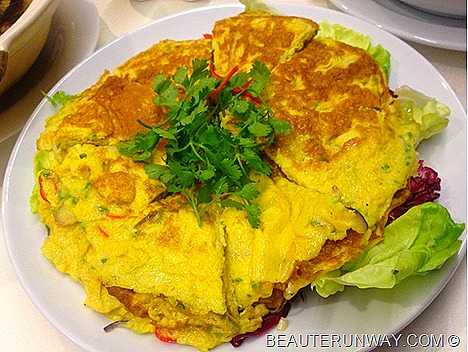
{"x":72,"y":37}
{"x":408,"y":22}
{"x":352,"y":312}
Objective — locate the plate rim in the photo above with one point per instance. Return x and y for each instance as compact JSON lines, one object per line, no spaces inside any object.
{"x":416,"y":37}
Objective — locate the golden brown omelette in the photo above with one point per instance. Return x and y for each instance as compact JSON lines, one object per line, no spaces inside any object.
{"x":138,"y":250}
{"x":255,"y":35}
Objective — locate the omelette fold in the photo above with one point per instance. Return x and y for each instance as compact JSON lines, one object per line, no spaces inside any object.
{"x":138,"y":250}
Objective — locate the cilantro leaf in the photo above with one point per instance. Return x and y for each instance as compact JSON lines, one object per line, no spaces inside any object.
{"x":215,"y":132}
{"x":260,"y":129}
{"x":156,"y":171}
{"x":230,"y":169}
{"x":204,"y":194}
{"x":281,"y":126}
{"x":249,"y":192}
{"x":59,"y":98}
{"x":255,"y":161}
{"x":232,"y":204}
{"x":260,"y":77}
{"x":181,"y":76}
{"x":166,"y":90}
{"x":253,"y":215}
{"x":142,"y":145}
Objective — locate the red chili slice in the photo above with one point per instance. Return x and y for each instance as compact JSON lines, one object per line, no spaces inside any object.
{"x":41,"y":189}
{"x":164,"y":338}
{"x":213,"y":72}
{"x":103,"y":232}
{"x":246,"y":93}
{"x":224,"y":82}
{"x":42,"y":192}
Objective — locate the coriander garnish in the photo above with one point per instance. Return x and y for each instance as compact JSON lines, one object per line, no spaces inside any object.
{"x":59,"y":98}
{"x":215,"y":136}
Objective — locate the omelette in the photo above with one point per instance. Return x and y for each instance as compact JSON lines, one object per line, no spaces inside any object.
{"x":136,"y":247}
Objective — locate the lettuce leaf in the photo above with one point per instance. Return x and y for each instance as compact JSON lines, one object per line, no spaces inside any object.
{"x":425,"y":236}
{"x":419,"y":241}
{"x":426,"y":111}
{"x":259,"y":5}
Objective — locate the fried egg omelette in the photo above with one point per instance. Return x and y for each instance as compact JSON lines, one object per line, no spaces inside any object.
{"x":137,"y":249}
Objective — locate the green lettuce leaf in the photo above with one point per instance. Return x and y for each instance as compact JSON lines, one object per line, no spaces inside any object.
{"x":419,"y":241}
{"x":426,"y":111}
{"x":259,"y":5}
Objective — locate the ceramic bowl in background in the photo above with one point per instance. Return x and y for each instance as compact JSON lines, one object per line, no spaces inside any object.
{"x":449,"y":8}
{"x":21,"y":44}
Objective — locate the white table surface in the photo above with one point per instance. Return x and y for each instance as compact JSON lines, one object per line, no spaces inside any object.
{"x":23,"y":328}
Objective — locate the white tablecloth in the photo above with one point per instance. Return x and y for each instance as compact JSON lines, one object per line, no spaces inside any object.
{"x":24,"y":329}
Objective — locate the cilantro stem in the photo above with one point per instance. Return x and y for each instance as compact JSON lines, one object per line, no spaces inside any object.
{"x":249,"y":122}
{"x":153,"y":128}
{"x":238,"y":159}
{"x":190,"y":195}
{"x":195,"y":151}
